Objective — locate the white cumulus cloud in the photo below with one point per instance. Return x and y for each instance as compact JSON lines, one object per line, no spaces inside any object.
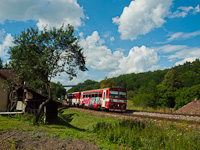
{"x":181,"y":52}
{"x":189,"y":59}
{"x":45,"y":12}
{"x":141,"y":17}
{"x":183,"y":11}
{"x":99,"y":56}
{"x":139,"y":59}
{"x":186,"y":53}
{"x":4,"y":47}
{"x":63,"y":78}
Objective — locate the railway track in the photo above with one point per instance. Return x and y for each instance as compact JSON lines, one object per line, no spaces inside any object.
{"x":143,"y":115}
{"x":168,"y":116}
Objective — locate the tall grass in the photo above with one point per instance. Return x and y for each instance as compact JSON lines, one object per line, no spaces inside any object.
{"x":109,"y":133}
{"x":131,"y":106}
{"x":147,"y":135}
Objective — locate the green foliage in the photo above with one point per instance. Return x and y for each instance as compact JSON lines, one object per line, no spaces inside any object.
{"x":106,"y":83}
{"x":168,"y":88}
{"x":58,"y":91}
{"x":130,"y":94}
{"x":86,"y":85}
{"x":165,"y":98}
{"x":172,"y":81}
{"x":42,"y":55}
{"x":38,"y":85}
{"x":109,"y":133}
{"x":146,"y":95}
{"x":144,"y":100}
{"x":161,"y":88}
{"x":190,"y":78}
{"x":186,"y":95}
{"x":147,"y":135}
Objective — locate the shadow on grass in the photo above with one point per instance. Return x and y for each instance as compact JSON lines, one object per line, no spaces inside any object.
{"x":64,"y":120}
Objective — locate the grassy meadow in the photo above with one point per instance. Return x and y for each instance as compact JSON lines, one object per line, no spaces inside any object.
{"x":109,"y":133}
{"x":157,"y":109}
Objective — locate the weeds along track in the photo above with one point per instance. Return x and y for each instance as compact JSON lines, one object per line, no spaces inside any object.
{"x":143,"y":115}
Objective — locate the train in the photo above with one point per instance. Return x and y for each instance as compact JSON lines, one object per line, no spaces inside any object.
{"x":112,"y":99}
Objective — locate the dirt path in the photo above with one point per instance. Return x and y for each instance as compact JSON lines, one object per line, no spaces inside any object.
{"x":40,"y":141}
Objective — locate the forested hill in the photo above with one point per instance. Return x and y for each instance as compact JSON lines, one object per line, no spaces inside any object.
{"x":172,"y":87}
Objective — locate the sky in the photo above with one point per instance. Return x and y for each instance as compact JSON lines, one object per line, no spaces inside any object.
{"x":118,"y":36}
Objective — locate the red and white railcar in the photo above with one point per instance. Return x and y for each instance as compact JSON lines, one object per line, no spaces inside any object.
{"x":73,"y":98}
{"x":113,"y":99}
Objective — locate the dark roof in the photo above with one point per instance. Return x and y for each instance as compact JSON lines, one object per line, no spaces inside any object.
{"x":7,"y":74}
{"x":191,"y":108}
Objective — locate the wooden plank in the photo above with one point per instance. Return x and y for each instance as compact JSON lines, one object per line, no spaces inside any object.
{"x":11,"y":113}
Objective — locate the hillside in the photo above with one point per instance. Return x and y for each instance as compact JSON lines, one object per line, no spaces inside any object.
{"x":172,"y":87}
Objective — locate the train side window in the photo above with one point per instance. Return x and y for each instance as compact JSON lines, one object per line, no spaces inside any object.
{"x":100,"y":94}
{"x":96,"y":94}
{"x":93,"y":94}
{"x":90,"y":95}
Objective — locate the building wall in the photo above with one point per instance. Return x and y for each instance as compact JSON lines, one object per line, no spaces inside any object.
{"x":3,"y":97}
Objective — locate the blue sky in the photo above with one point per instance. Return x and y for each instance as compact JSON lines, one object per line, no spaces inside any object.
{"x":118,"y":36}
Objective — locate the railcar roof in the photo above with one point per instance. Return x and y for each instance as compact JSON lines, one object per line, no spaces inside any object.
{"x":101,"y":89}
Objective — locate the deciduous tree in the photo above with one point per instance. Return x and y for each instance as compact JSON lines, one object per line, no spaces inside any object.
{"x":106,"y":83}
{"x":42,"y":55}
{"x":172,"y":81}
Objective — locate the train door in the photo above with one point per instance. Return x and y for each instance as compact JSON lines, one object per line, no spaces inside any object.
{"x":104,"y":98}
{"x":79,"y":97}
{"x":76,"y":98}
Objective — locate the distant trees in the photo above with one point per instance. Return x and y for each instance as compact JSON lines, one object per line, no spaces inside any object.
{"x":58,"y":91}
{"x":173,"y":87}
{"x":165,"y":90}
{"x":185,"y":95}
{"x":172,"y":81}
{"x":106,"y":83}
{"x":1,"y":63}
{"x":86,"y":85}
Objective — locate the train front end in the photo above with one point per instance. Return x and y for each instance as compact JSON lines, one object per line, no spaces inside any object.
{"x":117,"y":99}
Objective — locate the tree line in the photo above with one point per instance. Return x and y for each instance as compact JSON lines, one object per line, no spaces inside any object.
{"x":174,"y":87}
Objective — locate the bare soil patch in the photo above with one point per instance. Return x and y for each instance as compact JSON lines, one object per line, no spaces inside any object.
{"x":40,"y":141}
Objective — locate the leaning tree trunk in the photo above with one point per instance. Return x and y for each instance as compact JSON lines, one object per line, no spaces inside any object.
{"x":41,"y":107}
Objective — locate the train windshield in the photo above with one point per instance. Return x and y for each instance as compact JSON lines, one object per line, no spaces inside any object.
{"x":113,"y":94}
{"x":122,"y":95}
{"x":117,"y":94}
